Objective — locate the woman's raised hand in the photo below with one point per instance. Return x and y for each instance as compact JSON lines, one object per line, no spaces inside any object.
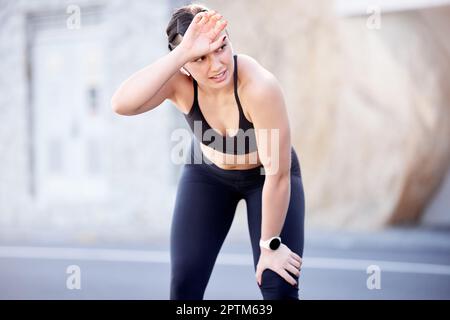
{"x":201,"y":37}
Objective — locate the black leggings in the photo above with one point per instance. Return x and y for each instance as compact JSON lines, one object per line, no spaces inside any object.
{"x":205,"y":205}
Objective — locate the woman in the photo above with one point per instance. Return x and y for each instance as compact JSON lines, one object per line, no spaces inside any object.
{"x":200,"y":76}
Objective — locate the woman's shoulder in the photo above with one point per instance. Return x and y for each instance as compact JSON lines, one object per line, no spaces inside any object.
{"x":250,"y":70}
{"x":256,"y":80}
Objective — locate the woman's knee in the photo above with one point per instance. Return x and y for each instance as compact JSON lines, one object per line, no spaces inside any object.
{"x":274,"y":287}
{"x":186,"y":287}
{"x":189,"y":277}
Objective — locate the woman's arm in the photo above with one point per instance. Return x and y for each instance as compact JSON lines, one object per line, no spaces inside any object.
{"x":270,"y":119}
{"x":269,"y":115}
{"x":150,"y":86}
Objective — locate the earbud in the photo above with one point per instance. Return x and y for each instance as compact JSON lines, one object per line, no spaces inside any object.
{"x":183,"y":70}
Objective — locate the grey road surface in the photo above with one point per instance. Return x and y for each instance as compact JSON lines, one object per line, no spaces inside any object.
{"x":400,"y":264}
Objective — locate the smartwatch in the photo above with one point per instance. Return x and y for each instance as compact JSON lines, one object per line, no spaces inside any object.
{"x":272,"y":244}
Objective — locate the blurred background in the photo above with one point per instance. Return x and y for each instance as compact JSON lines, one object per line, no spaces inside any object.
{"x":367,"y":87}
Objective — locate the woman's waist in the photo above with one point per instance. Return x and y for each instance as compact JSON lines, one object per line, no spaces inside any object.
{"x":249,"y":164}
{"x":228,"y":161}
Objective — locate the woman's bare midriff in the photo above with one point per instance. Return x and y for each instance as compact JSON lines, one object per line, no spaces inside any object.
{"x":230,"y":161}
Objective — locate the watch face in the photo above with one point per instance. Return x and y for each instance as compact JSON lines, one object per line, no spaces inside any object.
{"x":274,"y":244}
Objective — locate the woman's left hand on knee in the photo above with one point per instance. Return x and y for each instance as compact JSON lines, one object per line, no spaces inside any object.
{"x":280,"y":261}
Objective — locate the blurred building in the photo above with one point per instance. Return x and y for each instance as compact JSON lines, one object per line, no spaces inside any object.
{"x":70,"y":166}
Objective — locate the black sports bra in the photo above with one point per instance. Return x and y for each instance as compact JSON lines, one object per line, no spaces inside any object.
{"x":242,"y":143}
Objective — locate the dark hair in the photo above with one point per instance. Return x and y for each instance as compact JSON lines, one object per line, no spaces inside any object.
{"x":180,"y":21}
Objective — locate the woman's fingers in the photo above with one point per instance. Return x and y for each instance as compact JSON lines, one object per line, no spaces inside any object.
{"x":216,"y":17}
{"x":203,"y":20}
{"x":296,"y":257}
{"x":198,"y":17}
{"x":213,"y":21}
{"x":209,"y":20}
{"x":219,"y":26}
{"x":295,"y":263}
{"x":217,"y":44}
{"x":217,"y":30}
{"x":209,"y":17}
{"x":292,"y":269}
{"x":286,"y":276}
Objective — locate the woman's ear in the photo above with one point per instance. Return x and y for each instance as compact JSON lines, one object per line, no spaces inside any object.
{"x":183,"y":70}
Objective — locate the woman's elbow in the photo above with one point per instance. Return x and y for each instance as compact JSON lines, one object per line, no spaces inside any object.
{"x":119,"y":107}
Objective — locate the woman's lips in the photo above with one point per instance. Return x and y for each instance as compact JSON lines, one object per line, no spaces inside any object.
{"x":220,"y":78}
